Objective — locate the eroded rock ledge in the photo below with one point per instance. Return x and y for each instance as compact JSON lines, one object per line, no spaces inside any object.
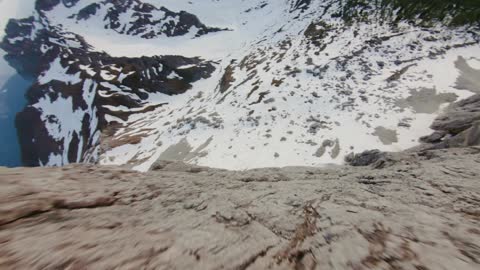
{"x":420,"y":212}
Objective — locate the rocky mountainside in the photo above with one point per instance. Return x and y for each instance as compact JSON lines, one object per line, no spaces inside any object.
{"x":78,"y":89}
{"x":261,"y":83}
{"x":419,"y":212}
{"x":133,"y":17}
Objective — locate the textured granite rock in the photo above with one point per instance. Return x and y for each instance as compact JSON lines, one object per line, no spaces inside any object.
{"x":422,"y":212}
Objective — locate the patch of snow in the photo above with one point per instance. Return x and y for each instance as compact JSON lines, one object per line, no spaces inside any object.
{"x":88,"y":70}
{"x":123,"y":76}
{"x":173,"y":75}
{"x":59,"y":73}
{"x":106,"y":75}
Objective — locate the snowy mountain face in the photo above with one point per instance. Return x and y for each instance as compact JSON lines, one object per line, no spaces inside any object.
{"x":135,"y":18}
{"x":78,"y":90}
{"x":237,"y":84}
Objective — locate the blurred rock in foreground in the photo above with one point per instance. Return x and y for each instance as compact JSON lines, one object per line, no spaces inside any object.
{"x":422,"y":211}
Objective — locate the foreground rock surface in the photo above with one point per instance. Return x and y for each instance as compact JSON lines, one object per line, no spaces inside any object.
{"x":419,"y":212}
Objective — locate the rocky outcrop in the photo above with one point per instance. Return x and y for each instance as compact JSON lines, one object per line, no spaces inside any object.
{"x":419,"y":213}
{"x":300,"y":5}
{"x":226,"y":80}
{"x":370,"y":157}
{"x":458,"y":126}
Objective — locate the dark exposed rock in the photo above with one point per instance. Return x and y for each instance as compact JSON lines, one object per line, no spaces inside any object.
{"x":145,"y":21}
{"x":86,"y":12}
{"x":35,"y":141}
{"x":227,"y":79}
{"x":301,"y":5}
{"x":397,"y":75}
{"x":316,"y":32}
{"x":46,"y":5}
{"x":365,"y":158}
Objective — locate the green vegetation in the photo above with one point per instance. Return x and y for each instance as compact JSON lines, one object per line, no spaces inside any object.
{"x":424,"y":12}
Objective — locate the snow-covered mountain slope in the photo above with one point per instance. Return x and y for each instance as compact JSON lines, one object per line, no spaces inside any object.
{"x":78,"y":91}
{"x":295,"y":82}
